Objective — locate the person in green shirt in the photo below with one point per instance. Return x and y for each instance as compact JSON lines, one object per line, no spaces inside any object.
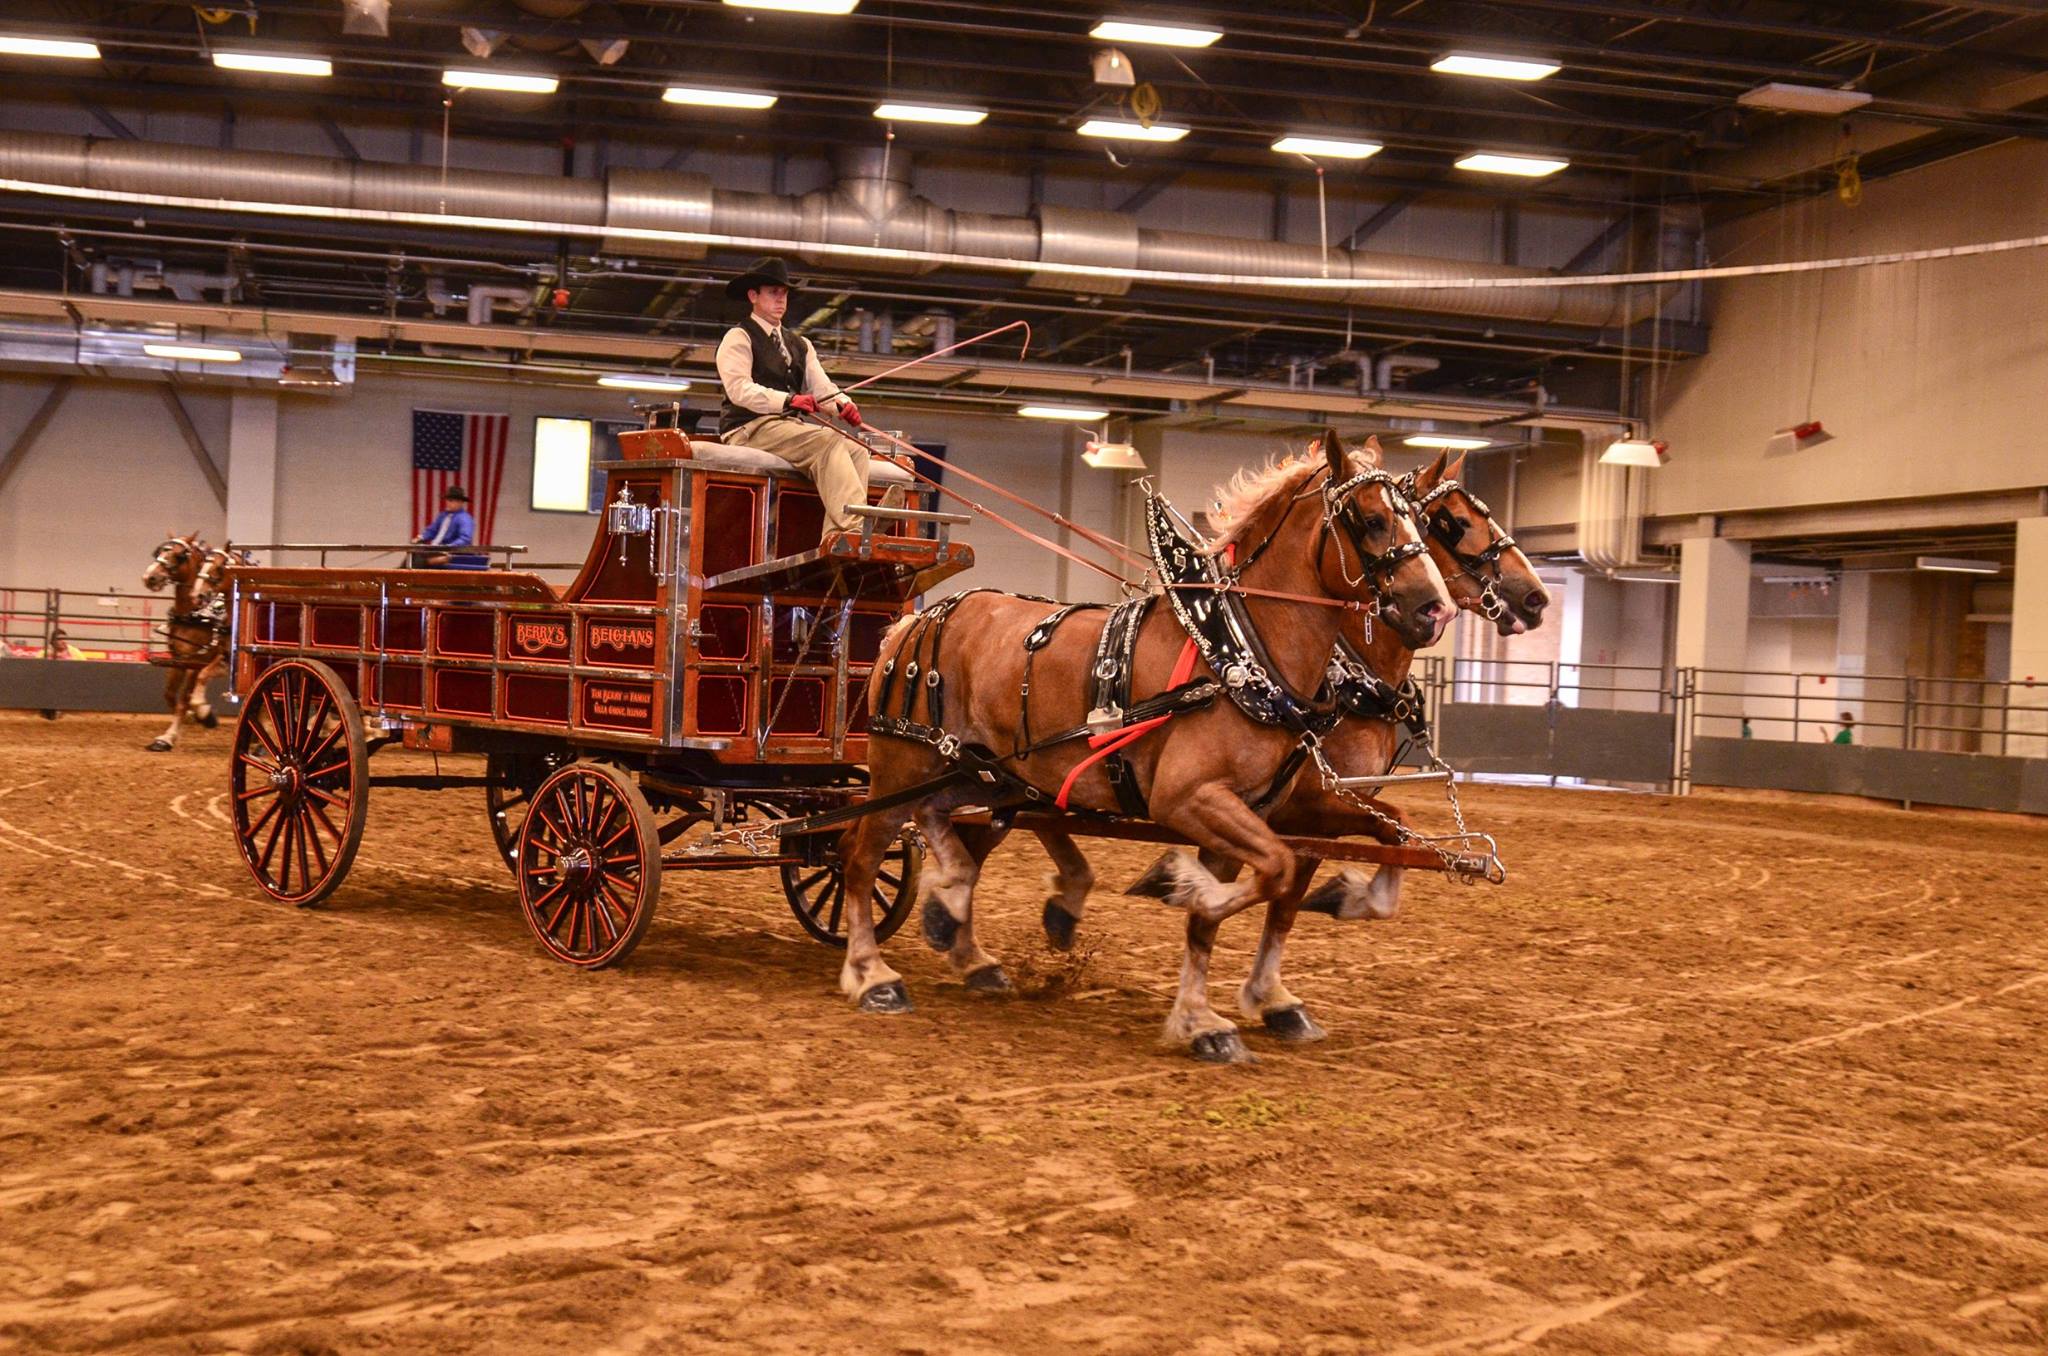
{"x":1847,"y":734}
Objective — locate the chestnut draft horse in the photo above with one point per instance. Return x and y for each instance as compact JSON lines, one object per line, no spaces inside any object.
{"x":1487,"y":574}
{"x":1307,"y":533}
{"x":195,"y":632}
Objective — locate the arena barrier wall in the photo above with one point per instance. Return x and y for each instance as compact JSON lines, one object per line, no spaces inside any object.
{"x":1973,"y":781}
{"x":87,"y":685}
{"x":1554,"y":740}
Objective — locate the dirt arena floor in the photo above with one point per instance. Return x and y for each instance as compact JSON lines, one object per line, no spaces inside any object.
{"x":1714,"y":1075}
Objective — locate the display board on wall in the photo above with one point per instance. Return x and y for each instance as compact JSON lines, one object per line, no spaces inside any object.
{"x":567,"y":453}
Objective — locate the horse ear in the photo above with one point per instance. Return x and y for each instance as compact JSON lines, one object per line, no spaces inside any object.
{"x":1429,"y":476}
{"x":1333,"y":452}
{"x":1456,"y":468}
{"x":1374,"y":457}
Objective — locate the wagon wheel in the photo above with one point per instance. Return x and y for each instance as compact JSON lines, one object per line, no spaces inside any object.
{"x":589,"y":865}
{"x":514,"y":774}
{"x":300,"y":781}
{"x":817,"y":894}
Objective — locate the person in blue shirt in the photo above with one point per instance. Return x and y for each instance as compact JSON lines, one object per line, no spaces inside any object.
{"x":452,"y":526}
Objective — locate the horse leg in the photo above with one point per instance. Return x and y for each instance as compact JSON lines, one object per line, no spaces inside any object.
{"x":1351,"y":894}
{"x":177,"y":688}
{"x":865,"y":977}
{"x":201,"y":708}
{"x":949,"y":895}
{"x":1264,"y":995}
{"x":1213,"y":817}
{"x":1072,"y":879}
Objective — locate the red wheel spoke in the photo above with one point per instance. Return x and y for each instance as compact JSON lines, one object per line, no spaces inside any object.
{"x":320,"y":815}
{"x":313,"y":838}
{"x":624,"y":829}
{"x":255,"y":791}
{"x":287,"y":825}
{"x":299,"y":835}
{"x":255,"y":726}
{"x":329,"y":770}
{"x":623,"y":859}
{"x":561,"y":834}
{"x":276,"y":831}
{"x":340,"y":728}
{"x":602,"y":905}
{"x":555,"y":918}
{"x":328,"y":796}
{"x":250,"y":835}
{"x":838,"y":903}
{"x":579,"y":923}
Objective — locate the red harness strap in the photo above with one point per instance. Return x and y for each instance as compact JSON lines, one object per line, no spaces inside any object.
{"x":1116,"y":741}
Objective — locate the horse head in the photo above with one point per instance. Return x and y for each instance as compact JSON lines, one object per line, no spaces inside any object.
{"x":1379,"y":554}
{"x":1484,"y":569}
{"x":213,"y":569}
{"x":176,"y":563}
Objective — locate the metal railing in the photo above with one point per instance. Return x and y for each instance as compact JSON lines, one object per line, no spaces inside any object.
{"x":1538,"y":682}
{"x":499,"y":556}
{"x":1935,"y":715}
{"x":110,"y":625}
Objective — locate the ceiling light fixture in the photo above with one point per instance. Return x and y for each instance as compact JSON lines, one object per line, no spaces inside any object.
{"x":1641,"y":452}
{"x":628,"y":381}
{"x":1797,"y":438}
{"x":271,"y":64}
{"x":1494,"y":67}
{"x":1330,"y":147}
{"x":1817,"y":99}
{"x":799,"y":6}
{"x":1111,"y":67}
{"x":505,"y":81}
{"x":938,"y":113}
{"x":195,"y":353}
{"x":1076,"y":413}
{"x":1449,"y":442}
{"x":72,"y":48}
{"x":1958,"y":565}
{"x":1159,"y":35}
{"x":1112,"y":456}
{"x":1122,"y":129}
{"x":705,"y":97}
{"x":1527,"y":166}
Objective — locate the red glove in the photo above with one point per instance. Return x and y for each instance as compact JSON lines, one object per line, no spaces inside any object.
{"x":808,"y":404}
{"x":850,"y":412}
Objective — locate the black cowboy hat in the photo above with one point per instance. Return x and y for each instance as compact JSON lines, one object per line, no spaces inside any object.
{"x":764,"y":272}
{"x":457,"y":493}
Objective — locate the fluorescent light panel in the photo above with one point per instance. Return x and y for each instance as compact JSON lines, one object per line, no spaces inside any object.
{"x":951,"y":117}
{"x":1159,"y":35}
{"x":799,"y":6}
{"x":1817,"y":99}
{"x":1452,"y":442}
{"x":1527,"y":166}
{"x":705,"y":97}
{"x":73,"y":48}
{"x":1121,"y":129}
{"x":506,"y":81}
{"x":273,"y":64}
{"x":196,"y":353}
{"x":1330,"y":147}
{"x":1959,"y":565}
{"x":627,"y":381}
{"x":1493,"y":67}
{"x":1076,"y":413}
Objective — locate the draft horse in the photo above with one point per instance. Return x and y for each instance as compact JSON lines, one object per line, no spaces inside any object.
{"x":195,"y":632}
{"x":1310,"y":537}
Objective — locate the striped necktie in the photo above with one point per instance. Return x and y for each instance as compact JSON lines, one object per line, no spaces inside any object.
{"x":781,"y":347}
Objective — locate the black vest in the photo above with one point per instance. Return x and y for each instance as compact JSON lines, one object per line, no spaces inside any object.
{"x":769,"y":371}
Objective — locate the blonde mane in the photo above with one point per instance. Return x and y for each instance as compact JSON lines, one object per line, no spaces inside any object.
{"x":1239,"y":500}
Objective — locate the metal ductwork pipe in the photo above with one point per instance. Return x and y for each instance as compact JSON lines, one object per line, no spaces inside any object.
{"x":870,"y":204}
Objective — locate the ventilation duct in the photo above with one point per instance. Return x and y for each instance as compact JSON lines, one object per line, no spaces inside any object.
{"x":1611,"y":501}
{"x":870,"y":204}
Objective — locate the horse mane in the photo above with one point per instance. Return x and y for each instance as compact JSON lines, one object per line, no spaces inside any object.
{"x":1239,"y":500}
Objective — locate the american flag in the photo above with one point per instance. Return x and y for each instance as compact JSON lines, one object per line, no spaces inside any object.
{"x":450,"y":448}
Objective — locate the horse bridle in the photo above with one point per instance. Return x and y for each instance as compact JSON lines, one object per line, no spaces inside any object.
{"x":187,"y":549}
{"x":1482,"y":567}
{"x":1340,"y":507}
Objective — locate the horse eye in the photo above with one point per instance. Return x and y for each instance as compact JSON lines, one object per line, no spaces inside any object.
{"x":1377,"y":523}
{"x":1464,"y":525}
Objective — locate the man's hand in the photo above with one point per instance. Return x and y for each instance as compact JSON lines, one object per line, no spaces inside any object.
{"x":807,"y":403}
{"x":850,"y":412}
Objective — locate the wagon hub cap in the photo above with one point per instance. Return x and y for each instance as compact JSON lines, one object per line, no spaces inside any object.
{"x":577,"y":867}
{"x":285,"y":778}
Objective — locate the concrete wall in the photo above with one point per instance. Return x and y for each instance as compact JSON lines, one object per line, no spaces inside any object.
{"x":1923,"y":372}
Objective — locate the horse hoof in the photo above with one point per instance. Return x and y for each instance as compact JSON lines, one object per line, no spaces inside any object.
{"x":1220,"y":1047}
{"x":1059,"y":925}
{"x":1329,"y":899}
{"x":940,"y":927}
{"x":886,"y":998}
{"x":989,"y":979}
{"x":1160,"y":881}
{"x":1293,"y":1024}
{"x":159,"y":746}
{"x":211,"y":720}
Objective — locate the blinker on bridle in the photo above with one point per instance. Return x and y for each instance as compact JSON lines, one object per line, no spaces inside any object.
{"x":1482,"y":566}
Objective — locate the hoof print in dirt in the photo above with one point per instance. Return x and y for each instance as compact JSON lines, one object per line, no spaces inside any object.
{"x":1160,"y":881}
{"x":1293,"y":1024}
{"x":990,"y":979}
{"x":1059,"y":926}
{"x":940,"y":927}
{"x":1220,"y":1047}
{"x":886,"y":998}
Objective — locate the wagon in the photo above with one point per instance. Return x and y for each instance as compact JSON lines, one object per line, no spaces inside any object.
{"x":707,"y":667}
{"x":706,"y":670}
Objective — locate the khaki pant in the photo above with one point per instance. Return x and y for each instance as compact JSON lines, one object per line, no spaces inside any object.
{"x":836,"y":464}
